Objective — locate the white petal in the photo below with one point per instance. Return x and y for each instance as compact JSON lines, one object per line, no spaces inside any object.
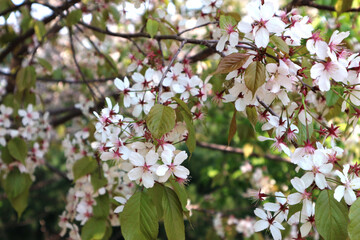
{"x":339,"y":193}
{"x":275,"y":25}
{"x":294,"y":198}
{"x":119,"y":209}
{"x":148,"y":180}
{"x":320,"y":181}
{"x":221,"y":43}
{"x":298,"y":184}
{"x":233,"y":39}
{"x":275,"y":232}
{"x":180,"y":157}
{"x":262,"y":37}
{"x":135,"y":173}
{"x":274,"y":207}
{"x":161,"y":170}
{"x":260,"y":213}
{"x":261,"y":225}
{"x":136,"y":159}
{"x":181,"y":172}
{"x":349,"y":196}
{"x":151,"y":157}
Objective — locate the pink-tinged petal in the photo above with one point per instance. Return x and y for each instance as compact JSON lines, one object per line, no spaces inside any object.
{"x":298,"y":184}
{"x":262,"y":37}
{"x":355,"y":183}
{"x":161,"y":170}
{"x":305,"y":229}
{"x":317,"y":70}
{"x":339,"y":193}
{"x":180,"y":157}
{"x":221,"y":43}
{"x":233,"y":39}
{"x":148,"y":180}
{"x":119,"y":209}
{"x":275,"y":232}
{"x":136,"y":159}
{"x":320,"y":181}
{"x":271,"y":67}
{"x":274,"y":207}
{"x":338,"y":72}
{"x":310,"y":45}
{"x":166,"y":157}
{"x":261,"y":225}
{"x":349,"y":196}
{"x":294,"y":198}
{"x":275,"y":25}
{"x":107,"y":156}
{"x":260,"y":213}
{"x":151,"y":157}
{"x":321,"y":49}
{"x":181,"y":172}
{"x":135,"y":173}
{"x":120,"y":200}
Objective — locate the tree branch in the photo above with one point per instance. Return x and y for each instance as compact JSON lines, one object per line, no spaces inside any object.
{"x":230,"y":149}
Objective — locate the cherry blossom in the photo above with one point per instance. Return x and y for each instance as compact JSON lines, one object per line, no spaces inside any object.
{"x":350,"y":182}
{"x":268,"y":221}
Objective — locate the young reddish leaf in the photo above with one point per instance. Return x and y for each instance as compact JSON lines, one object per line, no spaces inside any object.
{"x":254,"y":76}
{"x":233,"y":127}
{"x":231,"y":62}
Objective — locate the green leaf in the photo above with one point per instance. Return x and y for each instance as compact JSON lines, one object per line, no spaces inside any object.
{"x":98,"y":180}
{"x":83,"y":167}
{"x":156,"y":193}
{"x":115,"y":13}
{"x":331,"y":216}
{"x":252,"y":115}
{"x":226,"y":20}
{"x":173,"y":216}
{"x":6,"y":156}
{"x":280,"y":44}
{"x":160,"y":120}
{"x":98,"y":21}
{"x":231,"y":62}
{"x":233,"y":127}
{"x":16,"y":183}
{"x":254,"y":76}
{"x":94,"y":228}
{"x":183,"y":106}
{"x":16,"y":186}
{"x":45,"y":63}
{"x":294,"y":209}
{"x":152,"y":27}
{"x":73,"y":17}
{"x":191,"y":139}
{"x":139,"y":218}
{"x":102,"y":207}
{"x":20,"y":202}
{"x":343,"y":5}
{"x":181,"y":193}
{"x":40,"y":30}
{"x":25,"y":78}
{"x":354,"y":216}
{"x":18,"y":149}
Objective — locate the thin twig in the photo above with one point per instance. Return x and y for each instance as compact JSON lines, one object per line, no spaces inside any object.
{"x":78,"y":66}
{"x":199,"y":26}
{"x":169,"y":66}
